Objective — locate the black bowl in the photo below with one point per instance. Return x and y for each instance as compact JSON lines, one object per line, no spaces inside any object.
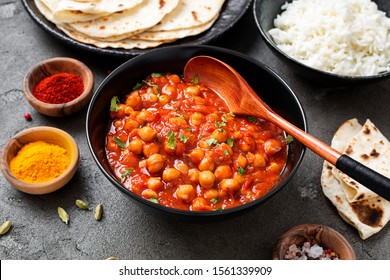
{"x":273,"y":90}
{"x":265,"y":11}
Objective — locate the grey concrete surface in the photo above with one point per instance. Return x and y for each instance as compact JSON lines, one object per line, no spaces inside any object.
{"x":127,"y":231}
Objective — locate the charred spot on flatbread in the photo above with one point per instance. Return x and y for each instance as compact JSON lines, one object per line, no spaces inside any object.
{"x":366,"y":130}
{"x":194,"y":15}
{"x":338,"y":199}
{"x":364,"y":156}
{"x":349,"y":150}
{"x":370,"y":215}
{"x":162,"y":4}
{"x":374,"y":153}
{"x":360,"y":197}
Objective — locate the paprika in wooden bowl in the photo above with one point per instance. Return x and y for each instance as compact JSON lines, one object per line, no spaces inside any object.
{"x":58,"y":86}
{"x":40,"y":160}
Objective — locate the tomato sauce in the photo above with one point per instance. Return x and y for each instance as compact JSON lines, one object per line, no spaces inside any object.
{"x":176,"y":143}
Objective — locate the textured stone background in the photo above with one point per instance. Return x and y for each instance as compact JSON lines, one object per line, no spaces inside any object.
{"x":127,"y":231}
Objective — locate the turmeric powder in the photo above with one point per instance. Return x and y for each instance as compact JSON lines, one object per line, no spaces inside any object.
{"x":39,"y":162}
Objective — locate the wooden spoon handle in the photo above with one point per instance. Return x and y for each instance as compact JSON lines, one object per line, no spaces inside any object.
{"x":354,"y":169}
{"x":371,"y":179}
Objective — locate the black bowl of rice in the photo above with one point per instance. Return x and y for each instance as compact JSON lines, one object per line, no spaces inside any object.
{"x":335,"y":43}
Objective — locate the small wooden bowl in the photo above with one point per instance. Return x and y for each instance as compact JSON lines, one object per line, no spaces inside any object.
{"x":49,"y":135}
{"x":323,"y":235}
{"x":53,"y":66}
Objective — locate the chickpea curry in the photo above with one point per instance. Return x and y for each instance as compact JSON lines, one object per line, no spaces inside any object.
{"x":176,"y":144}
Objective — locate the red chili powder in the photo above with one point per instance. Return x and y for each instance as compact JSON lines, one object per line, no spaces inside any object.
{"x":59,"y":88}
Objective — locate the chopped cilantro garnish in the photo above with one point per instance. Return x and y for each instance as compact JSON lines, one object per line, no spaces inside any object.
{"x":220,"y":124}
{"x":126,"y":174}
{"x":212,"y":141}
{"x":152,"y":85}
{"x":154,"y":200}
{"x":119,"y":142}
{"x":251,"y":119}
{"x":171,"y":140}
{"x":195,"y":80}
{"x":226,"y":152}
{"x":188,"y":129}
{"x":224,"y":119}
{"x":241,"y":170}
{"x":137,"y":86}
{"x":289,"y":139}
{"x":230,"y":142}
{"x":214,"y":200}
{"x":183,"y":138}
{"x":114,"y":104}
{"x":155,"y":75}
{"x":180,"y":116}
{"x":232,"y":115}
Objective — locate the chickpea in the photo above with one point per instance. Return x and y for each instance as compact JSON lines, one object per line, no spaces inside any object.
{"x":211,"y":193}
{"x":149,"y":193}
{"x":242,"y":161}
{"x":130,"y":125}
{"x":149,"y":97}
{"x":168,"y":90}
{"x":196,"y":155}
{"x":133,"y":99}
{"x":206,"y":164}
{"x":200,"y":204}
{"x":152,"y":90}
{"x":197,"y":119}
{"x":155,"y":184}
{"x":182,"y":167}
{"x":143,"y":116}
{"x":147,"y":133}
{"x":192,"y":90}
{"x":170,"y":174}
{"x":150,"y":149}
{"x":178,"y":121}
{"x":186,"y":193}
{"x":155,"y":163}
{"x":246,"y":144}
{"x":274,"y":168}
{"x":220,"y":135}
{"x":223,"y":172}
{"x":174,"y":78}
{"x":239,"y":178}
{"x":128,"y":110}
{"x":272,"y":146}
{"x":203,"y":144}
{"x":259,"y":161}
{"x":163,"y":99}
{"x":135,"y":146}
{"x":193,"y":174}
{"x":229,"y":185}
{"x":206,"y":179}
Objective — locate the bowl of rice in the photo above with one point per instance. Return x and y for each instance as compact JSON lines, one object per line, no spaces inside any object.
{"x":312,"y":242}
{"x":336,"y":43}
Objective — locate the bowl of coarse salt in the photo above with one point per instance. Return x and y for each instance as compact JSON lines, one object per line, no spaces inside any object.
{"x":333,"y":43}
{"x":312,"y":242}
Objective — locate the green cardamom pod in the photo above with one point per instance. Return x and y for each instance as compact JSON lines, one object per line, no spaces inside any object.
{"x":63,"y":215}
{"x":82,"y":204}
{"x":4,"y":228}
{"x":112,"y":258}
{"x":98,"y":212}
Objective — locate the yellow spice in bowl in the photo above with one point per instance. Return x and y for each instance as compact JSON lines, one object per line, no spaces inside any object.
{"x":39,"y":162}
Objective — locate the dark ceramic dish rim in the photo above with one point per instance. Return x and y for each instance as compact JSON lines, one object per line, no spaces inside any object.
{"x":216,"y":31}
{"x":141,"y":200}
{"x":272,"y":44}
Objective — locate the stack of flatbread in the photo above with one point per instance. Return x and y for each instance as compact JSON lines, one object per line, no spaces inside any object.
{"x":356,"y":204}
{"x":130,"y":24}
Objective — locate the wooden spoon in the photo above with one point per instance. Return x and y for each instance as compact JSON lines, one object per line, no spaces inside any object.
{"x":242,"y":100}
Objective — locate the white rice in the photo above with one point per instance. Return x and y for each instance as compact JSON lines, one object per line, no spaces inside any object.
{"x":347,"y":37}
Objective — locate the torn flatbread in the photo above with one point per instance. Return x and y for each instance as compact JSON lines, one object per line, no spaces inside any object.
{"x":356,"y":204}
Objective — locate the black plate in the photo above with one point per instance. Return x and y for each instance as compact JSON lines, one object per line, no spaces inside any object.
{"x":232,"y":11}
